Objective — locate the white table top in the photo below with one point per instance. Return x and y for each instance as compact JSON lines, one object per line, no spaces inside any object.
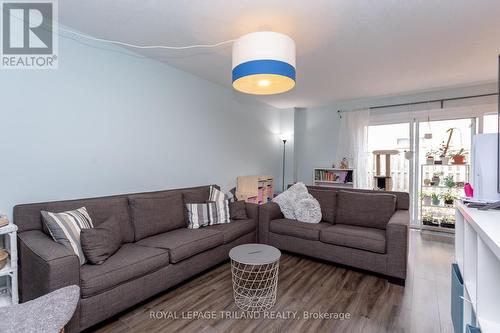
{"x":255,"y":254}
{"x":486,"y":223}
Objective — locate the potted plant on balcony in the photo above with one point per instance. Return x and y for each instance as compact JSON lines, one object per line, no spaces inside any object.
{"x":449,"y":182}
{"x":436,"y":178}
{"x":427,"y":182}
{"x":458,"y":157}
{"x":426,"y":198}
{"x":448,"y":222}
{"x":435,"y":199}
{"x":429,"y":157}
{"x":448,"y":198}
{"x":427,"y":219}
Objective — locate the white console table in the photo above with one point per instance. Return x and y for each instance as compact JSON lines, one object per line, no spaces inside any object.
{"x":477,"y":254}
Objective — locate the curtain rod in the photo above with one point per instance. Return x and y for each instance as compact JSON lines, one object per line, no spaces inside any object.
{"x":442,"y":100}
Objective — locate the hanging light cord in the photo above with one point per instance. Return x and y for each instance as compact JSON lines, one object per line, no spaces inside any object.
{"x":168,"y":47}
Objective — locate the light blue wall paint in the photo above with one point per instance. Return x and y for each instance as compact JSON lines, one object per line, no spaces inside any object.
{"x":107,"y":123}
{"x":316,"y":129}
{"x":316,"y":140}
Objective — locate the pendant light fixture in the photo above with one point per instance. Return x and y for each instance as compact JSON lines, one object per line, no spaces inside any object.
{"x":428,"y":133}
{"x":264,"y":63}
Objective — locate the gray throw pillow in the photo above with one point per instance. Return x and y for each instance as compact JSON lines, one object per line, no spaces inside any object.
{"x":101,"y":242}
{"x":65,"y":228}
{"x":238,"y":210}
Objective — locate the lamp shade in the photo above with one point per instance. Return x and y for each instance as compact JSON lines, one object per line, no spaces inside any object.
{"x":264,"y":63}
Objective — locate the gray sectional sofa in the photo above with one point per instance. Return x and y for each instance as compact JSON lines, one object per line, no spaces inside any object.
{"x":363,"y":229}
{"x":151,"y":259}
{"x":360,"y":228}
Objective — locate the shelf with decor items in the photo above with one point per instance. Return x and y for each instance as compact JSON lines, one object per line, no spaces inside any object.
{"x":8,"y":271}
{"x":440,"y":186}
{"x":333,"y":177}
{"x":255,"y":189}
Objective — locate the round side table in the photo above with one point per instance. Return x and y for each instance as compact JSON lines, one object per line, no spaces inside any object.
{"x":254,"y":269}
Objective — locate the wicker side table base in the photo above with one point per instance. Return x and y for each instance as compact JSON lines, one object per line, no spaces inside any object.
{"x":254,"y":286}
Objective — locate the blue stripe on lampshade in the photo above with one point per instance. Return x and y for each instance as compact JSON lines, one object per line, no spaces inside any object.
{"x":264,"y":67}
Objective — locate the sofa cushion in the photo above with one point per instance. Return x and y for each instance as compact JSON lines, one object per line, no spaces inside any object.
{"x":372,"y":210}
{"x":196,"y":194}
{"x":27,"y":217}
{"x":130,"y":262}
{"x":155,"y":215}
{"x":327,"y":200}
{"x":101,"y":242}
{"x":184,"y":243}
{"x":298,"y":229}
{"x":369,"y":239}
{"x":235,"y":229}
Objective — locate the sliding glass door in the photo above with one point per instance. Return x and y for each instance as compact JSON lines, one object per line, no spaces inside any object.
{"x":413,"y":141}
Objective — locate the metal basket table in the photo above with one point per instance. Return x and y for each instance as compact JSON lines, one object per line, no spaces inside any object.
{"x":254,"y":269}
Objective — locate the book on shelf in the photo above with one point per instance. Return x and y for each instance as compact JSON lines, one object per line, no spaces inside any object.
{"x":341,"y":176}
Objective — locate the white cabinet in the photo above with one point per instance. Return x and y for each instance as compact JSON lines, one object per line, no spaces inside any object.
{"x":477,"y":253}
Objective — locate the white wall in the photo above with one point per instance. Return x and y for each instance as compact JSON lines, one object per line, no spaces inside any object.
{"x":107,"y":123}
{"x":316,"y":129}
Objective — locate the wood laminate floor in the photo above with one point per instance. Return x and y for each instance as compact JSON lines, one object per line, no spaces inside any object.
{"x":310,"y":286}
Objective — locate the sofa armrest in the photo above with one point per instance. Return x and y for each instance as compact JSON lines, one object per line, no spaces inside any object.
{"x":267,"y":212}
{"x":397,"y":243}
{"x":44,"y":265}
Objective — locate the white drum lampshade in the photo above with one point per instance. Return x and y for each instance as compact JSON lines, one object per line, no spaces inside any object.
{"x":264,"y":63}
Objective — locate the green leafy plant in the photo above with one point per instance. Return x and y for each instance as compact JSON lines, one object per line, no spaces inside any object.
{"x":430,"y":154}
{"x":427,"y":217}
{"x":448,"y":197}
{"x":460,"y":153}
{"x":449,"y":182}
{"x":435,"y":199}
{"x":424,"y":194}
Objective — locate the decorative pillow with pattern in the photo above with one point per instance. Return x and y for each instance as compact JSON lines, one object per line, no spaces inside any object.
{"x":288,"y":199}
{"x":308,"y":210}
{"x":198,"y":215}
{"x":65,"y":228}
{"x":297,"y":204}
{"x":219,"y":212}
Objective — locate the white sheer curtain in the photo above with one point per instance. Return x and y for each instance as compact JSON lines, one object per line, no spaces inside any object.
{"x":352,"y":144}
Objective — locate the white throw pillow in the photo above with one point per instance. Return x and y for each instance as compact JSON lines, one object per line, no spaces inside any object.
{"x":287,"y":199}
{"x":292,"y":208}
{"x":308,"y":210}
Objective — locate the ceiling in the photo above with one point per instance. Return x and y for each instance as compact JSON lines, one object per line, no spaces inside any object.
{"x":345,"y":49}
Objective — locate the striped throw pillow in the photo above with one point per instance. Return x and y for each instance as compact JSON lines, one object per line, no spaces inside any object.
{"x":198,"y":215}
{"x":220,"y":213}
{"x":65,"y":228}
